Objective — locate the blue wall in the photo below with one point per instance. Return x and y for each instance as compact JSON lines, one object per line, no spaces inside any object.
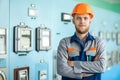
{"x":49,"y":13}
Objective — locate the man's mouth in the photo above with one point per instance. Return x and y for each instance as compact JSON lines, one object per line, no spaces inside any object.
{"x":81,"y":25}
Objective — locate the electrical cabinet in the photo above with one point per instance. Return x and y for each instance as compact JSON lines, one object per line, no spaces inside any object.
{"x":22,"y":38}
{"x":3,"y":42}
{"x":43,"y":39}
{"x":3,"y":52}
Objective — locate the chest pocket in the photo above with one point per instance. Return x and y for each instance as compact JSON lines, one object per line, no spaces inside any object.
{"x":72,"y":52}
{"x":91,"y":53}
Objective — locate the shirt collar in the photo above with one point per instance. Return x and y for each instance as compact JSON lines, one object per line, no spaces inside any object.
{"x":75,"y":38}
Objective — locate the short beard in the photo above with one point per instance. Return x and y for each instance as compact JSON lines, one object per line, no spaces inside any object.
{"x":82,"y":32}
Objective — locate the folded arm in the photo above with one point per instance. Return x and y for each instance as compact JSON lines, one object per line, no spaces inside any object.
{"x":62,"y":66}
{"x":96,"y":66}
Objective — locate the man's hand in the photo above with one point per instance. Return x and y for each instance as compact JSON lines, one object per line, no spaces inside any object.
{"x":86,"y":75}
{"x":71,"y":63}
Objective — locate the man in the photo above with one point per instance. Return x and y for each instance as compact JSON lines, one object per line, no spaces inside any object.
{"x":81,"y":56}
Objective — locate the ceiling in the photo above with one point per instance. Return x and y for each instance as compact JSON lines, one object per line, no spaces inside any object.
{"x":112,"y":5}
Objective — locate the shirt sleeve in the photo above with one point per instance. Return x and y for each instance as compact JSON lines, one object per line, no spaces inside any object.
{"x":98,"y":66}
{"x":62,"y":66}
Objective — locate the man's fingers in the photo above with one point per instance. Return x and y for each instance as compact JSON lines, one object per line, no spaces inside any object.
{"x":87,"y":75}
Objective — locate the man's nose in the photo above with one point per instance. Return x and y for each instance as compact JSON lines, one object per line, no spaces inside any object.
{"x":82,"y":20}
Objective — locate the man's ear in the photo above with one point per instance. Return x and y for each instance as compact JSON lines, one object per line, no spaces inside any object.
{"x":73,"y":21}
{"x":90,"y":21}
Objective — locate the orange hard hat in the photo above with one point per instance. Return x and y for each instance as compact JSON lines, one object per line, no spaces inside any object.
{"x":82,"y":8}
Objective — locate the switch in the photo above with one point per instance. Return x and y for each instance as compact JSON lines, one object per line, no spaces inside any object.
{"x":43,"y":75}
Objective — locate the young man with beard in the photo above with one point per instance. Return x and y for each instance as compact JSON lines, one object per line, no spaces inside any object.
{"x":81,"y":56}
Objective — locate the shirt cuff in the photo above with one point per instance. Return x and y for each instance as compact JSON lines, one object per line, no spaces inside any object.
{"x":79,"y":76}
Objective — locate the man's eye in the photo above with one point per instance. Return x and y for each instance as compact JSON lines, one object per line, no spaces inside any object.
{"x":78,"y":18}
{"x":85,"y":18}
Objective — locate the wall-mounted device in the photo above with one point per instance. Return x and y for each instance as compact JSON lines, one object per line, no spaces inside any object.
{"x":3,"y":74}
{"x":32,"y":11}
{"x":3,"y":42}
{"x":43,"y":75}
{"x":41,"y":71}
{"x":21,"y":73}
{"x":22,"y":38}
{"x":66,"y":17}
{"x":43,"y":38}
{"x":118,"y":38}
{"x":109,"y":61}
{"x":101,"y":34}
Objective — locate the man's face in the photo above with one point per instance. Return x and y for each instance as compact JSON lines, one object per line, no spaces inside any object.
{"x":82,"y":23}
